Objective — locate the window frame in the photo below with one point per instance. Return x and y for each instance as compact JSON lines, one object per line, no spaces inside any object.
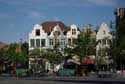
{"x":37,"y":32}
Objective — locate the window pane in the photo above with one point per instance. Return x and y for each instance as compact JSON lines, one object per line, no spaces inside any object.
{"x":43,"y":41}
{"x":37,"y":32}
{"x":69,"y":40}
{"x":74,"y":41}
{"x":62,"y":41}
{"x":32,"y":42}
{"x":50,"y":41}
{"x":37,"y":42}
{"x":73,"y":31}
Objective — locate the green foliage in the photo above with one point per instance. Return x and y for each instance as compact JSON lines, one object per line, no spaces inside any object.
{"x":3,"y":55}
{"x":24,"y":52}
{"x":11,"y":53}
{"x":54,"y":57}
{"x":119,"y":42}
{"x":24,"y":48}
{"x":102,"y":54}
{"x":35,"y":52}
{"x":68,"y":52}
{"x":86,"y":45}
{"x":120,"y":33}
{"x":17,"y":57}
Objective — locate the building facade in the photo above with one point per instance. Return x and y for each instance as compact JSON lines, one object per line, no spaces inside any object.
{"x":47,"y":35}
{"x":88,"y":28}
{"x":72,"y":35}
{"x":104,"y":40}
{"x":50,"y":34}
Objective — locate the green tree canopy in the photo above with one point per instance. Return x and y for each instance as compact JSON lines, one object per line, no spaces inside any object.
{"x":86,"y":45}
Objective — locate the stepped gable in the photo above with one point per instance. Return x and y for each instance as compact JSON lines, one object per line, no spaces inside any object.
{"x":49,"y":25}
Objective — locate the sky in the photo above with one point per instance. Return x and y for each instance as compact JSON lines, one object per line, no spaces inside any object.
{"x":17,"y":17}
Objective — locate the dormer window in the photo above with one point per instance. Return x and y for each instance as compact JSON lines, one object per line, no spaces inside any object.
{"x":37,"y":32}
{"x":73,"y":31}
{"x":104,"y":32}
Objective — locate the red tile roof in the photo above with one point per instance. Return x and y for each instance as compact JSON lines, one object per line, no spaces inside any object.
{"x":49,"y":25}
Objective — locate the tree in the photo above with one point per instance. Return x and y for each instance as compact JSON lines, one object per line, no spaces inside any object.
{"x":119,"y":43}
{"x":3,"y":57}
{"x":17,"y":57}
{"x":24,"y":53}
{"x":68,"y":53}
{"x":11,"y":53}
{"x":35,"y":54}
{"x":85,"y":45}
{"x":54,"y":57}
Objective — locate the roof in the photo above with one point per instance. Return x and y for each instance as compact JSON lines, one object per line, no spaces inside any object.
{"x":1,"y":42}
{"x":49,"y":25}
{"x":3,"y":45}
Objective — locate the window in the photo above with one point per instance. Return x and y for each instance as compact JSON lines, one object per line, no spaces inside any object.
{"x":57,"y":41}
{"x":104,"y":32}
{"x":32,"y":43}
{"x":73,"y":31}
{"x":69,"y":40}
{"x":51,"y":42}
{"x":37,"y":32}
{"x":43,"y":42}
{"x":62,"y":41}
{"x":37,"y":42}
{"x":88,"y":30}
{"x":109,"y":42}
{"x":74,"y":41}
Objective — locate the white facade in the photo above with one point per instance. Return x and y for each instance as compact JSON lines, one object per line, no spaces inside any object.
{"x":38,"y":38}
{"x":33,"y":37}
{"x":103,"y":39}
{"x":72,"y":34}
{"x":103,"y":34}
{"x":44,"y":40}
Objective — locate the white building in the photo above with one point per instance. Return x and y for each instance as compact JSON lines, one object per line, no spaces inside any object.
{"x":72,"y":34}
{"x":103,"y":39}
{"x":49,"y":34}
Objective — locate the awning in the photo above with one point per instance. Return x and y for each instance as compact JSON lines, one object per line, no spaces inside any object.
{"x":88,"y":60}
